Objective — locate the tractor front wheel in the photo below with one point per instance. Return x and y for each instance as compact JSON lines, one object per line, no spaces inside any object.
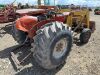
{"x":52,"y":45}
{"x":85,"y":35}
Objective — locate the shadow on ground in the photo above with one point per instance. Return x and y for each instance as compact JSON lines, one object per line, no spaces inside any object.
{"x":6,"y":53}
{"x":35,"y":69}
{"x":7,"y":29}
{"x":77,"y":42}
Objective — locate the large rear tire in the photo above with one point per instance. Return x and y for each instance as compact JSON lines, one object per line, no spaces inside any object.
{"x":52,"y":45}
{"x":19,"y":36}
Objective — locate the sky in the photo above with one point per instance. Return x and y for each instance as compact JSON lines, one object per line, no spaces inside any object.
{"x":63,"y":2}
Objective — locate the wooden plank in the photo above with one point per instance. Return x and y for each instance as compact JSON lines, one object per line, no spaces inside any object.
{"x":15,"y":58}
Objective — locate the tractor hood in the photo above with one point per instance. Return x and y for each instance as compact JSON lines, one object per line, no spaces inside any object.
{"x":24,"y":12}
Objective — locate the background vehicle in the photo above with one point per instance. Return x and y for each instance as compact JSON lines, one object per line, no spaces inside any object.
{"x":7,"y":13}
{"x":1,"y":6}
{"x":97,"y":11}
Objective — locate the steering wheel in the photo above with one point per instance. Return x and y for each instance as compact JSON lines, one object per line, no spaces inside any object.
{"x":51,"y":13}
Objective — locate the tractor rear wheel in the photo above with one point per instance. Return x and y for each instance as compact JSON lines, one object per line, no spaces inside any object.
{"x":52,"y":45}
{"x":85,"y":35}
{"x":19,"y":36}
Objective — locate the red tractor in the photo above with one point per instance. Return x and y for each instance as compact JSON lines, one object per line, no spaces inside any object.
{"x":52,"y":40}
{"x":49,"y":35}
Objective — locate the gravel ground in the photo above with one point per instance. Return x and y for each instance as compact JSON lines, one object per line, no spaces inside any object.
{"x":83,"y":60}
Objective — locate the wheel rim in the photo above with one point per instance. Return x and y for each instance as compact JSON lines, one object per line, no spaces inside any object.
{"x":60,"y":48}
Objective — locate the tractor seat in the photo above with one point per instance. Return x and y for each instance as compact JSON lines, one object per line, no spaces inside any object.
{"x":42,"y":17}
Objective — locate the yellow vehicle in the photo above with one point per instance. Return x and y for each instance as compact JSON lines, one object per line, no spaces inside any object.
{"x":74,"y":15}
{"x":78,"y":15}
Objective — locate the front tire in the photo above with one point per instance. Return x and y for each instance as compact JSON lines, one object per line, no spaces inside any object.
{"x":52,"y":45}
{"x":85,"y":35}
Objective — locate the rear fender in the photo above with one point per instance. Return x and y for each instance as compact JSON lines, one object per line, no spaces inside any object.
{"x":26,"y":23}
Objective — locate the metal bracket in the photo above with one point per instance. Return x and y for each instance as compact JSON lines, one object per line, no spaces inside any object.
{"x":20,"y":54}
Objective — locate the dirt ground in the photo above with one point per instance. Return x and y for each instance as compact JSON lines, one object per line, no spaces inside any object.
{"x":83,"y":60}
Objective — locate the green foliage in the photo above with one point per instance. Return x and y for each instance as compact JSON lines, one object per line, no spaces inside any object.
{"x":2,"y":6}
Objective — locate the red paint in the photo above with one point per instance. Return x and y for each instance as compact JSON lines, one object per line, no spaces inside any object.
{"x":26,"y":23}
